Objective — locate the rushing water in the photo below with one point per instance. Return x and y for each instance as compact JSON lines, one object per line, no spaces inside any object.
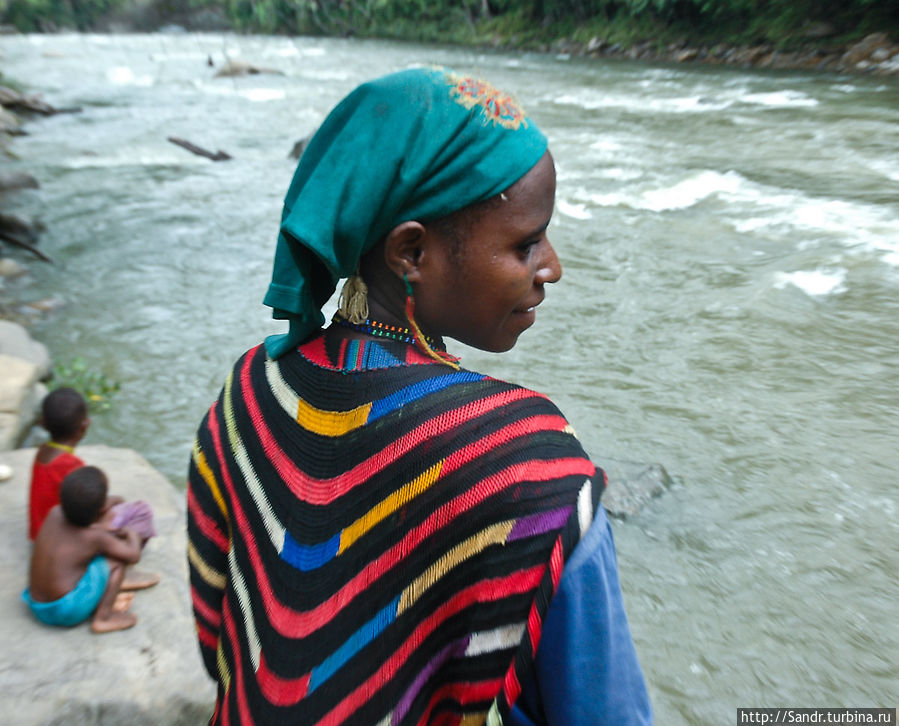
{"x":729,"y":309}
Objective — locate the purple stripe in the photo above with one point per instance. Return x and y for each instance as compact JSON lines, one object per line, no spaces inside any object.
{"x":456,"y":649}
{"x":539,"y":523}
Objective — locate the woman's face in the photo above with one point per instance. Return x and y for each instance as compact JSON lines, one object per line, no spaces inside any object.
{"x":484,"y":292}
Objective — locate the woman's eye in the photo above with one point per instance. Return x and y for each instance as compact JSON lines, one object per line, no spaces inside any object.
{"x":526,"y":247}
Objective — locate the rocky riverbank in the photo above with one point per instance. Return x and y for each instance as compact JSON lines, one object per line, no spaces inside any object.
{"x":876,"y":54}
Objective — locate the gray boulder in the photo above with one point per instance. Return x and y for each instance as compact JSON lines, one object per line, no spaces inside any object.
{"x":632,"y":486}
{"x":149,"y":675}
{"x":16,"y":342}
{"x":21,"y":393}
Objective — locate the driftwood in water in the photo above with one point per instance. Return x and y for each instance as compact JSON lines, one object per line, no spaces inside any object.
{"x":199,"y":151}
{"x":12,"y":99}
{"x":234,"y":68}
{"x":13,"y":180}
{"x":21,"y":233}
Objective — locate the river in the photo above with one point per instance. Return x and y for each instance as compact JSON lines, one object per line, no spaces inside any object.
{"x":730,"y":242}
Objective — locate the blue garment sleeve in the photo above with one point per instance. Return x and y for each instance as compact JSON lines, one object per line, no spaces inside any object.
{"x":586,"y":671}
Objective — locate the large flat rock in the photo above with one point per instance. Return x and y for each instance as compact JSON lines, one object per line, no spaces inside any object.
{"x":151,"y":674}
{"x":21,"y":393}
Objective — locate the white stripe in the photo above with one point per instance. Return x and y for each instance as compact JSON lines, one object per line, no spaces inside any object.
{"x":487,"y":641}
{"x":272,"y":525}
{"x":284,"y":394}
{"x":243,"y":599}
{"x":585,"y":507}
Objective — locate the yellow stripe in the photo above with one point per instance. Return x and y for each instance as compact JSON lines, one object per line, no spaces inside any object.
{"x":388,"y":506}
{"x":212,"y":576}
{"x":495,"y":534}
{"x":224,"y":673}
{"x":473,"y":719}
{"x":331,"y":423}
{"x":209,"y":478}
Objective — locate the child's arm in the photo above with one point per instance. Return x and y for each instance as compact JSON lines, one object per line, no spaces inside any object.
{"x":110,"y":502}
{"x":123,"y":544}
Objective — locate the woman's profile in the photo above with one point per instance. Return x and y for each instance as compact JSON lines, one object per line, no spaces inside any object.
{"x":378,"y":535}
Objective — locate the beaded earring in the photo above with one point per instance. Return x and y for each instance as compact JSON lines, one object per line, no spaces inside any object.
{"x":438,"y":355}
{"x":353,"y":301}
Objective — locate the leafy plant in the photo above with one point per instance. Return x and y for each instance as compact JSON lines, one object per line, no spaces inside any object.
{"x":91,"y":383}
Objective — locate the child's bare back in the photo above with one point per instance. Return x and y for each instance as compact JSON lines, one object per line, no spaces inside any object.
{"x":78,"y":564}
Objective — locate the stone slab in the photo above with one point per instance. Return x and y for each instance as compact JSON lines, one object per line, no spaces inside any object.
{"x":17,"y":342}
{"x":20,"y":397}
{"x":149,"y":675}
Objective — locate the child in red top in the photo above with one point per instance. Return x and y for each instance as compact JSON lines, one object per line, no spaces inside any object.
{"x":64,"y":415}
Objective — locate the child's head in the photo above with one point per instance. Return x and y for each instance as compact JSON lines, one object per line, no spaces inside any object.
{"x":64,"y":413}
{"x":83,"y":494}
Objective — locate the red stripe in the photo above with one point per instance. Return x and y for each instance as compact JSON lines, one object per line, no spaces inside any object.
{"x":324,"y":491}
{"x":207,"y":637}
{"x":556,"y":563}
{"x":462,"y":694}
{"x":205,"y":523}
{"x":511,"y":686}
{"x":204,"y":609}
{"x":281,"y":691}
{"x":484,"y":591}
{"x":237,"y":674}
{"x":534,"y":626}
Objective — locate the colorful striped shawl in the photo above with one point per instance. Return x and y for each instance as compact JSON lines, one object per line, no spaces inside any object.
{"x":376,"y":540}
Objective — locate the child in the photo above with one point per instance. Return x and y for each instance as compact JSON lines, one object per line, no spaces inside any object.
{"x":64,"y":415}
{"x":78,"y":564}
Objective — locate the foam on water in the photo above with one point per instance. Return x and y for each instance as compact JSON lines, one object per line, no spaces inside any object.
{"x":681,"y":195}
{"x":857,"y":225}
{"x":780,"y":99}
{"x":592,"y":100}
{"x":262,"y":94}
{"x":124,"y":76}
{"x":754,"y":208}
{"x":575,"y":211}
{"x":816,"y":283}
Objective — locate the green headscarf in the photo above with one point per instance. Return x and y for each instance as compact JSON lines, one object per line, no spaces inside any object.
{"x":413,"y":145}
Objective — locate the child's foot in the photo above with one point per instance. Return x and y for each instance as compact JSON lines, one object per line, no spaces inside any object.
{"x":135,"y":580}
{"x":114,"y":621}
{"x":122,"y":602}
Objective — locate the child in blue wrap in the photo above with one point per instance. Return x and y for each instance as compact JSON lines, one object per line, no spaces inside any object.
{"x":78,"y":564}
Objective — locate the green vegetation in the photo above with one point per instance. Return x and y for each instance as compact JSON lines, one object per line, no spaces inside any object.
{"x":517,"y":23}
{"x":96,"y":388}
{"x":531,"y":23}
{"x":39,"y":15}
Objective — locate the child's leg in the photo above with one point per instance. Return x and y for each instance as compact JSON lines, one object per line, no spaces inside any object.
{"x":136,"y":580}
{"x":107,"y":618}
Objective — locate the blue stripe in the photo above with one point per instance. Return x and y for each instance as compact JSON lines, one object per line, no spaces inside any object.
{"x":356,"y":642}
{"x":352,"y":353}
{"x":309,"y":557}
{"x":419,"y":390}
{"x":376,"y":356}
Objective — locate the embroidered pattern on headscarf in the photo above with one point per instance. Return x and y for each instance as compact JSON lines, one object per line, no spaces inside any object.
{"x":498,"y":107}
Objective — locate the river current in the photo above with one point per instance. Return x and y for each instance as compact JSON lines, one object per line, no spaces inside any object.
{"x":729,"y":309}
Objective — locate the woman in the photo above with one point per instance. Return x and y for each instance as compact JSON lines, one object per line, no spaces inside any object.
{"x":377,"y":535}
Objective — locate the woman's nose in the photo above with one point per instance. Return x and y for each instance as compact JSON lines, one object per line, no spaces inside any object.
{"x":549,"y":269}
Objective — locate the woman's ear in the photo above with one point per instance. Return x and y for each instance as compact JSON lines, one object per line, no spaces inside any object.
{"x":403,"y":248}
